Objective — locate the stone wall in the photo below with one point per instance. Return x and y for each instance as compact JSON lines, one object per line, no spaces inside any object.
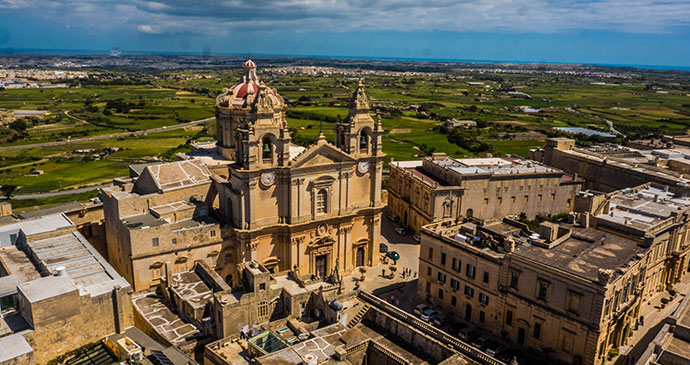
{"x":417,"y":341}
{"x":67,"y":322}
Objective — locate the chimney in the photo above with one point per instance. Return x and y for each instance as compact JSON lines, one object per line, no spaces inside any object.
{"x":548,"y":231}
{"x":585,"y":220}
{"x":168,"y":275}
{"x":118,"y":302}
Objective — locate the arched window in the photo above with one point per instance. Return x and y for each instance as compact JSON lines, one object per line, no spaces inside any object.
{"x":363,"y":141}
{"x":469,"y":213}
{"x":321,"y":201}
{"x":267,"y":149}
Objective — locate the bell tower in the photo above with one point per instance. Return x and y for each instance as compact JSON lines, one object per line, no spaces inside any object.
{"x":358,"y":134}
{"x":262,"y":138}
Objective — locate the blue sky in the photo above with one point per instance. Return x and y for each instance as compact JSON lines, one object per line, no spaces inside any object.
{"x":637,"y":32}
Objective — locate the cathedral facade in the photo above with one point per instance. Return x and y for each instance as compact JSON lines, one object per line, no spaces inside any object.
{"x":313,"y":211}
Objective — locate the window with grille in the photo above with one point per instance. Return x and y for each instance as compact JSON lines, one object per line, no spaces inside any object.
{"x":514,"y":280}
{"x":483,"y":298}
{"x":321,"y":200}
{"x":470,"y":271}
{"x":457,"y":264}
{"x":263,"y":309}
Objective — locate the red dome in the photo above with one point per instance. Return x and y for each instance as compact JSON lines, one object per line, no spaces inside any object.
{"x":241,"y":90}
{"x":250,"y":63}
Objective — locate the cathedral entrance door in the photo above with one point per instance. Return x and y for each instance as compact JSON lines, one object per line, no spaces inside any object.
{"x":321,"y":266}
{"x":359,"y":258}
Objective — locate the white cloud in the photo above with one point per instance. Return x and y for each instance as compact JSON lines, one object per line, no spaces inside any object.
{"x":225,"y":16}
{"x":146,"y":28}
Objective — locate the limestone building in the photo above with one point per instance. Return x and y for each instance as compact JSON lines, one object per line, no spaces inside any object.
{"x":159,"y":216}
{"x":291,"y":208}
{"x":575,"y":287}
{"x":440,"y":187}
{"x":610,"y":167}
{"x":57,"y":293}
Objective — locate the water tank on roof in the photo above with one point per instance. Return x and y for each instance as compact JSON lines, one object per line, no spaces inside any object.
{"x":60,"y":271}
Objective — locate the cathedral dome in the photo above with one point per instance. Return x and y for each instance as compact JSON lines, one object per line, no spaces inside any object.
{"x":243,"y":94}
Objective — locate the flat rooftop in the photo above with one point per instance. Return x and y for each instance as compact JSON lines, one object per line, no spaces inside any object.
{"x":474,"y":166}
{"x":644,"y":208}
{"x":42,"y":224}
{"x":17,"y":263}
{"x":325,"y":340}
{"x":141,"y":221}
{"x":585,"y":252}
{"x":148,"y":219}
{"x":163,"y":320}
{"x":85,"y":267}
{"x":13,"y":346}
{"x":496,"y":166}
{"x":46,"y":287}
{"x":190,"y":287}
{"x":598,"y":155}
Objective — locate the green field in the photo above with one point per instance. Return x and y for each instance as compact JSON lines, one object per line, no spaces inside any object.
{"x":413,"y":109}
{"x":63,"y":168}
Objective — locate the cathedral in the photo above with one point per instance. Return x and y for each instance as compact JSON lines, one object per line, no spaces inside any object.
{"x":314,"y":211}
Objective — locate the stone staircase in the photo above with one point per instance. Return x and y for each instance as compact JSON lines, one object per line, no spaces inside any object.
{"x":353,"y":322}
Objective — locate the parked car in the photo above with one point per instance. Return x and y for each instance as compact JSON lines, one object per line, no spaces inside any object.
{"x":468,"y":334}
{"x":495,"y":347}
{"x":393,"y":255}
{"x":442,"y":320}
{"x":401,"y":231}
{"x":394,"y":218}
{"x":417,"y":238}
{"x":456,"y":327}
{"x":421,"y":308}
{"x":383,"y":248}
{"x":429,"y":314}
{"x":480,"y":342}
{"x":507,"y":355}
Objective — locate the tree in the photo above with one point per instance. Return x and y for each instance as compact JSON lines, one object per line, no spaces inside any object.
{"x":8,"y":190}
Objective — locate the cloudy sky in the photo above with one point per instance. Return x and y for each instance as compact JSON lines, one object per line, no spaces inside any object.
{"x":639,"y":32}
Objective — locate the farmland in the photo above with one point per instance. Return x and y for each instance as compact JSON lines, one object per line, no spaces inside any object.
{"x":514,"y":113}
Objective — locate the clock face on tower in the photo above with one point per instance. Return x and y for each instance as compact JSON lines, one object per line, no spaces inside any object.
{"x":268,"y":178}
{"x":363,"y":167}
